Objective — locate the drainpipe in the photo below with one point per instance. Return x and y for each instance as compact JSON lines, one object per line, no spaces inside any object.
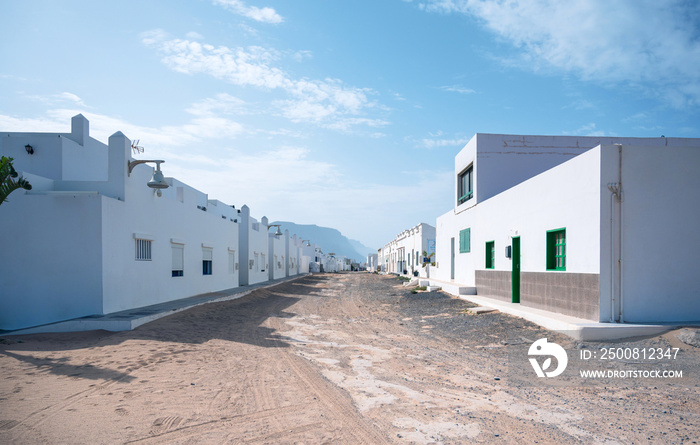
{"x":621,"y":240}
{"x":616,"y":193}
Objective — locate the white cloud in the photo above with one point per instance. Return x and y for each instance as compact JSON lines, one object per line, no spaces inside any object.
{"x":436,"y":141}
{"x":207,"y":122}
{"x":265,"y":15}
{"x":457,"y":89}
{"x":580,"y":104}
{"x":60,"y":99}
{"x":648,"y":44}
{"x":194,"y":35}
{"x":588,"y":130}
{"x":324,"y":102}
{"x":222,"y":103}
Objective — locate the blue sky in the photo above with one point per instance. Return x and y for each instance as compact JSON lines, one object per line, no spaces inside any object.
{"x":345,"y":113}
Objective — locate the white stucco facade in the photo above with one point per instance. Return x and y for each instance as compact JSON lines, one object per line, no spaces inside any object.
{"x":277,"y":255}
{"x":74,"y":254}
{"x":657,"y":177}
{"x":92,"y":238}
{"x":404,"y":254}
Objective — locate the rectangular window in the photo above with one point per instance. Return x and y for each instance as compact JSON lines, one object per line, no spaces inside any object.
{"x":206,"y":261}
{"x":465,"y":241}
{"x":143,"y":249}
{"x":465,"y":184}
{"x":490,"y":254}
{"x":178,"y":260}
{"x":556,"y":249}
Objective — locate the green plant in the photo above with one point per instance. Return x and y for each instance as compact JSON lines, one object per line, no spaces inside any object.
{"x":404,"y":278}
{"x":8,"y":183}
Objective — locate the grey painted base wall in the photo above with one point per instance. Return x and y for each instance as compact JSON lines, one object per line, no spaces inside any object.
{"x":575,"y":294}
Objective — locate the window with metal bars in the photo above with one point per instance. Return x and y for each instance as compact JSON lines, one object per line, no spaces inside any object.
{"x":143,"y":249}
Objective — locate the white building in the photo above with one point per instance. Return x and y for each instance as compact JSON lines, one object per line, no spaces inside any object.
{"x":372,"y":260}
{"x":576,"y":225}
{"x":277,"y":254}
{"x":292,"y":251}
{"x":404,"y":254}
{"x":254,"y":248}
{"x":92,"y":238}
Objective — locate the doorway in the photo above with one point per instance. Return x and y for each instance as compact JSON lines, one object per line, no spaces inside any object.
{"x":516,"y":270}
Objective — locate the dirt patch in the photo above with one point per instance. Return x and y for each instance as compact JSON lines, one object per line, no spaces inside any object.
{"x":330,"y":358}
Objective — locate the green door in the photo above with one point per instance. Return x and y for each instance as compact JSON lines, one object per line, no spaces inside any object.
{"x":516,"y":270}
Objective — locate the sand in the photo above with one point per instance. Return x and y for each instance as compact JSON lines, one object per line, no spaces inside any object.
{"x":330,"y":358}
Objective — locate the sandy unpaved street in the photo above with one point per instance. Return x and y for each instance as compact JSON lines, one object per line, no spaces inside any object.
{"x":329,"y":358}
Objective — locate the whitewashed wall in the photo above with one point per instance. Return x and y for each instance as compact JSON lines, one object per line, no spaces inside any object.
{"x":276,"y":256}
{"x":559,"y":198}
{"x":81,"y":243}
{"x":167,"y":221}
{"x":660,"y":241}
{"x":50,"y":260}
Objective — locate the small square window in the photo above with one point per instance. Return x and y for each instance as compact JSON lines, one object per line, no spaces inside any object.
{"x":143,"y":249}
{"x":556,"y":249}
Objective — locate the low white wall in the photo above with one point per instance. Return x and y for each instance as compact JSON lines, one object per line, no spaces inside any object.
{"x":51,"y":258}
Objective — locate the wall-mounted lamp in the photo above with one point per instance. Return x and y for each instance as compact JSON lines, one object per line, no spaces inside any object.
{"x":308,"y":244}
{"x":157,"y":182}
{"x":278,"y":233}
{"x":29,"y":148}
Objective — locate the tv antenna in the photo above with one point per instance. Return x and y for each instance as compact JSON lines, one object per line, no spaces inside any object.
{"x":136,"y":147}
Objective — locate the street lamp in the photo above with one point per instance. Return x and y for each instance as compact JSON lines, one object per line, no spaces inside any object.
{"x":278,"y":233}
{"x":157,"y":182}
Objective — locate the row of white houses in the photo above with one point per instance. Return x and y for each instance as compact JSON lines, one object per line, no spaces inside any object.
{"x":99,"y":234}
{"x":601,"y":228}
{"x":409,"y":253}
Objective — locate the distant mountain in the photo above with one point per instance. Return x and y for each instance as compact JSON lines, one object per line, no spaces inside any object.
{"x":330,"y":240}
{"x":359,"y":247}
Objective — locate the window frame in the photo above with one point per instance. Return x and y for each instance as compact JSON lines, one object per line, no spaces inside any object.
{"x":143,"y":249}
{"x":175,"y":272}
{"x":490,"y":260}
{"x":465,"y":240}
{"x":556,"y":250}
{"x":465,"y":195}
{"x":207,"y":264}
